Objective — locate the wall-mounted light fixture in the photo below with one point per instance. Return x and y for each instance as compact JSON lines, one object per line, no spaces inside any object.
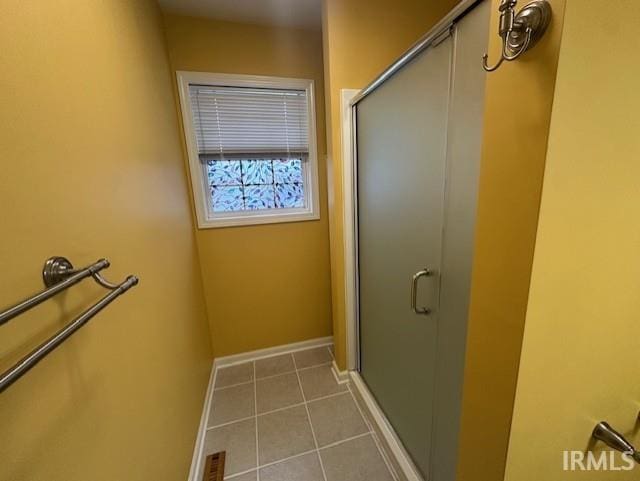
{"x":520,"y":31}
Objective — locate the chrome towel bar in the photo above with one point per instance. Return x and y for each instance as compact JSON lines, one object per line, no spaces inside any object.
{"x":58,"y":275}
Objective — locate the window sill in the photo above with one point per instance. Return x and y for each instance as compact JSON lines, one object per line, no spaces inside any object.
{"x":258,"y":219}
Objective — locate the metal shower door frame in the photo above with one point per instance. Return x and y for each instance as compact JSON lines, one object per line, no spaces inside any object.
{"x":430,"y":39}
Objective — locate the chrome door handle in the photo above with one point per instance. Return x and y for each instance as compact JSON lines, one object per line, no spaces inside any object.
{"x":612,"y":438}
{"x":414,"y":291}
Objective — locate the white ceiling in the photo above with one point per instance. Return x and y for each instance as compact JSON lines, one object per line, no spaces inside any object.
{"x":288,"y":13}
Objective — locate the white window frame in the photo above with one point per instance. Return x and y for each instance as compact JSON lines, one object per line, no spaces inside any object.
{"x":199,"y":186}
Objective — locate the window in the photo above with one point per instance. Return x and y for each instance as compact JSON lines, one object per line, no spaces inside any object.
{"x":252,"y":148}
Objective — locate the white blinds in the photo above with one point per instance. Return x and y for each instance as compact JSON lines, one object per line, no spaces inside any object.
{"x":232,"y":121}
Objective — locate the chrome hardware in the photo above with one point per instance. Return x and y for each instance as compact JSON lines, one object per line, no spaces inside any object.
{"x":14,"y":373}
{"x":428,"y":40}
{"x":519,"y":31}
{"x":414,"y":292}
{"x":612,"y":438}
{"x":58,"y":269}
{"x":58,"y":274}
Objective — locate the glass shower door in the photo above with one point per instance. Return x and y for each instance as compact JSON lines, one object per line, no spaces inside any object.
{"x":401,"y":153}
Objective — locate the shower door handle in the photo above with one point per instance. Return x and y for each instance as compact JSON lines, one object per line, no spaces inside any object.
{"x":414,"y":291}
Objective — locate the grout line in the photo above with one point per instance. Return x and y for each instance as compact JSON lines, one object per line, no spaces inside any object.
{"x":313,"y":432}
{"x":337,"y":443}
{"x":342,"y":441}
{"x":270,"y":376}
{"x":366,"y":421}
{"x":331,"y":353}
{"x":282,"y":409}
{"x":266,"y":465}
{"x":255,"y":411}
{"x":304,"y":453}
{"x":233,"y":385}
{"x":308,"y":401}
{"x":335,"y":376}
{"x":241,"y":473}
{"x":384,"y":456}
{"x":255,"y":379}
{"x":268,"y":356}
{"x":305,"y":402}
{"x":278,"y":409}
{"x":382,"y":452}
{"x":230,"y":422}
{"x":302,"y":403}
{"x":275,"y":375}
{"x":324,"y":364}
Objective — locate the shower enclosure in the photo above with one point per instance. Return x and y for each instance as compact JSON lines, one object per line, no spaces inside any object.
{"x":417,"y":141}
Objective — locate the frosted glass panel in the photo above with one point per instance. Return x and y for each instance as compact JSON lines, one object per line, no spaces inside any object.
{"x":417,"y":133}
{"x":256,"y":184}
{"x":401,"y":148}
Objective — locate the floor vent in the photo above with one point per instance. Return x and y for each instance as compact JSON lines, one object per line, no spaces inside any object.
{"x":214,"y":467}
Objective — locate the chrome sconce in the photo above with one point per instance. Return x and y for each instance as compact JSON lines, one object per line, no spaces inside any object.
{"x":519,"y":31}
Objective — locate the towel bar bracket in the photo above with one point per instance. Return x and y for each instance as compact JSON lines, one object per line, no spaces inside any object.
{"x":56,"y":269}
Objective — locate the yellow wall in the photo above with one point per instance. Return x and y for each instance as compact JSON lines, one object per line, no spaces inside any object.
{"x":91,"y":167}
{"x":579,"y":357}
{"x":265,"y":285}
{"x":518,"y":103}
{"x":361,"y":38}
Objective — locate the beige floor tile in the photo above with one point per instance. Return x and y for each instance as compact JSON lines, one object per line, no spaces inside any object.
{"x":336,"y":418}
{"x":228,"y":376}
{"x":272,"y":366}
{"x":312,"y":357}
{"x":301,"y":468}
{"x":283,"y":434}
{"x":231,"y":404}
{"x":238,"y":440}
{"x":319,"y":381}
{"x":251,"y":476}
{"x":278,"y":392}
{"x":355,"y":460}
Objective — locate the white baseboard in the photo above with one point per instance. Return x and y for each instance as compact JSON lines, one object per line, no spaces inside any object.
{"x":391,"y":443}
{"x":196,"y":462}
{"x":342,"y":377}
{"x":272,"y":351}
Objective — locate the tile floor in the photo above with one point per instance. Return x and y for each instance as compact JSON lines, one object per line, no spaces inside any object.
{"x":286,"y":418}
